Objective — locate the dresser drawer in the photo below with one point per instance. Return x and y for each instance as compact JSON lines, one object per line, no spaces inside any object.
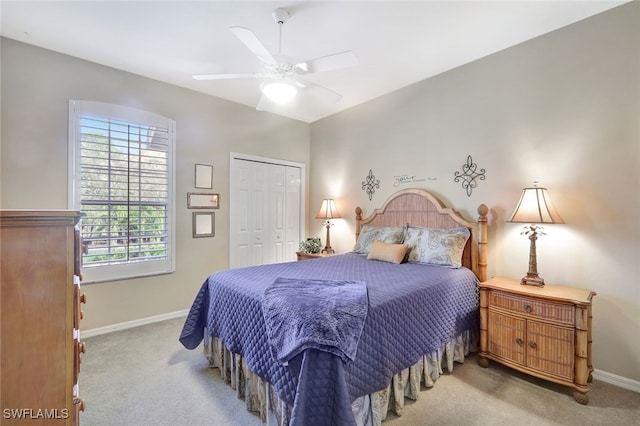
{"x":559,"y":312}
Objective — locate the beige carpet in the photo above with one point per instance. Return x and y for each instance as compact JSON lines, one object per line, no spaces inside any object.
{"x":143,"y":376}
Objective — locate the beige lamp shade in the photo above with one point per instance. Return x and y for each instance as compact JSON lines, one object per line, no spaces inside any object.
{"x":328,"y":210}
{"x":535,"y":207}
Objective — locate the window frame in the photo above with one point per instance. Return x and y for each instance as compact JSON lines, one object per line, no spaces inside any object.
{"x":129,"y":270}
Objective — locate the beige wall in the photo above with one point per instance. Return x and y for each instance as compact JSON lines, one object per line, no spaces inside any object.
{"x":563,"y":109}
{"x":36,"y":87}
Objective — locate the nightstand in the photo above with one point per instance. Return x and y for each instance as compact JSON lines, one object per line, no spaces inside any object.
{"x":301,"y":255}
{"x":541,"y":331}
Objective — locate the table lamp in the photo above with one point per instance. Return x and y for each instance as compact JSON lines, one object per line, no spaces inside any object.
{"x":327,"y":212}
{"x":533,"y":208}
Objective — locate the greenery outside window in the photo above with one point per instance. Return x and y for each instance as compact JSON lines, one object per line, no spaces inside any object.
{"x":121,"y":177}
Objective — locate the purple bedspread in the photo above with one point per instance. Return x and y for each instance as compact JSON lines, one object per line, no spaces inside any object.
{"x":413,"y":310}
{"x":327,"y":315}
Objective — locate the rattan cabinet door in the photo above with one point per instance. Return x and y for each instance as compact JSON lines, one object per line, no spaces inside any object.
{"x":551,"y":349}
{"x":506,"y":336}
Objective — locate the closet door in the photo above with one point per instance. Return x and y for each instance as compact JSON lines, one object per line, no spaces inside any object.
{"x":258,"y":213}
{"x":240,"y":236}
{"x":276,"y":215}
{"x":265,"y":212}
{"x":293,"y":212}
{"x":248,"y":212}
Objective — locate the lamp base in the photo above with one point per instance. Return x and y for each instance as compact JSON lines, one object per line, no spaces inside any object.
{"x":532,"y":279}
{"x":327,"y":247}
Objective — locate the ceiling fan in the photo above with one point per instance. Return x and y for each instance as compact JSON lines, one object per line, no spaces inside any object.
{"x":281,"y":80}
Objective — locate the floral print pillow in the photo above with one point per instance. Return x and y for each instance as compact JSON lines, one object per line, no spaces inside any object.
{"x":442,"y":247}
{"x":386,"y":234}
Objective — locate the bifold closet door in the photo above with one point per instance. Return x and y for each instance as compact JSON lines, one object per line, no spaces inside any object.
{"x":264,"y":214}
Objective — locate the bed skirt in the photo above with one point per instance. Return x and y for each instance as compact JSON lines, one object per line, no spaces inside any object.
{"x":369,"y":410}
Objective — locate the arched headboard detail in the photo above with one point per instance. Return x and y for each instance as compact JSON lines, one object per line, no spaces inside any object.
{"x":419,"y":207}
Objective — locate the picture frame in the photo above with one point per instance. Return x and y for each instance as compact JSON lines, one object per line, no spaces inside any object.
{"x":203,"y":176}
{"x":203,"y":200}
{"x":204,"y":224}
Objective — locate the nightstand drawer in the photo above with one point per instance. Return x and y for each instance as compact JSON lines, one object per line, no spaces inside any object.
{"x":562,"y":313}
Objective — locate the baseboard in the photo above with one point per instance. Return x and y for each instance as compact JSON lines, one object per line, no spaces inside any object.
{"x":613,"y":379}
{"x":135,"y":323}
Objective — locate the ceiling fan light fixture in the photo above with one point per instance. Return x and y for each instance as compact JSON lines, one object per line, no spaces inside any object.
{"x":280,"y":92}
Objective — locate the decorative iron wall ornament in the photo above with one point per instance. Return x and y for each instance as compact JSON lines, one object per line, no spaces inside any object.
{"x":370,"y":184}
{"x":469,"y":175}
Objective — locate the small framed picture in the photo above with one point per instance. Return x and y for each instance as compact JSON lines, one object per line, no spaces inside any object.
{"x":203,"y":200}
{"x":204,"y":224}
{"x":204,"y":176}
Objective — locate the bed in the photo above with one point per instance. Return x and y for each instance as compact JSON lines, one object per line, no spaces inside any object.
{"x":369,"y":326}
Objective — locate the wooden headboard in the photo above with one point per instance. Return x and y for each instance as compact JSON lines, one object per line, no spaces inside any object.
{"x":419,"y":207}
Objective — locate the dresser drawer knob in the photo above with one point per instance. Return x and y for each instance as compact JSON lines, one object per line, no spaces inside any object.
{"x":83,"y":298}
{"x":527,"y":308}
{"x":80,"y":403}
{"x":533,"y":345}
{"x":519,"y":341}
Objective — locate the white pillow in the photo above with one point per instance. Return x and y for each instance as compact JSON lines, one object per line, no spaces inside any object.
{"x":442,"y":247}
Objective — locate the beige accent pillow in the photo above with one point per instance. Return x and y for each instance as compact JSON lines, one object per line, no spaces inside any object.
{"x":385,"y":252}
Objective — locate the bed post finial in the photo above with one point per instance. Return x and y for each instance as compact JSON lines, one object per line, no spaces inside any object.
{"x":483,"y":211}
{"x":358,"y":220}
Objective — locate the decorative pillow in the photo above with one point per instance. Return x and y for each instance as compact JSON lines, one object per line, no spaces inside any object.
{"x":386,"y":234}
{"x":393,"y":253}
{"x":437,"y":246}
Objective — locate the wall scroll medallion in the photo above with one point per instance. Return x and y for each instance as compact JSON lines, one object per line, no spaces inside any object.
{"x":370,"y":184}
{"x":470,"y":175}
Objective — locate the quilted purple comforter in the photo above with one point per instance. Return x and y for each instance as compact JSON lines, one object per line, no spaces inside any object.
{"x":413,"y":310}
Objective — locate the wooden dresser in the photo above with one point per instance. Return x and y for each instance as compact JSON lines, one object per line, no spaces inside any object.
{"x":542,"y":331}
{"x":40,"y":299}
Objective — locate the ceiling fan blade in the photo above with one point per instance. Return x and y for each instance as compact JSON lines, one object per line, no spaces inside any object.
{"x":225,"y":76}
{"x":328,"y":63}
{"x":320,"y":91}
{"x":250,"y":40}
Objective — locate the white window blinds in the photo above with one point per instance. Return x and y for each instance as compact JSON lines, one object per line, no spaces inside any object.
{"x":123,"y":186}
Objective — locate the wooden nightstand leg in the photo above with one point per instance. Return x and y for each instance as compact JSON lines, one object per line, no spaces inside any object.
{"x":581,"y":398}
{"x":483,"y":362}
{"x":484,"y":323}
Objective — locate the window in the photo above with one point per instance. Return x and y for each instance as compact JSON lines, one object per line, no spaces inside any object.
{"x":121,"y":163}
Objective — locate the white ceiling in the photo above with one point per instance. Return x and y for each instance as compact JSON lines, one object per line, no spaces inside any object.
{"x":397,"y":43}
